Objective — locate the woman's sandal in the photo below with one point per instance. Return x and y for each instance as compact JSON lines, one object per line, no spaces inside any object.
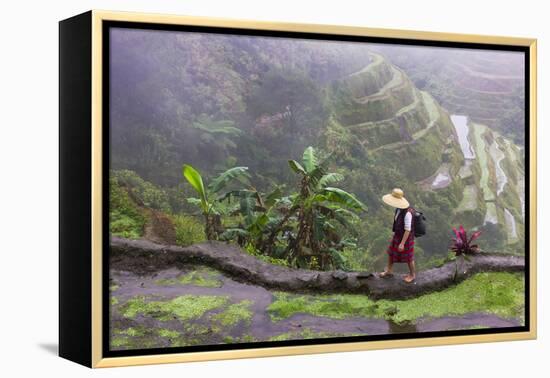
{"x":386,"y":274}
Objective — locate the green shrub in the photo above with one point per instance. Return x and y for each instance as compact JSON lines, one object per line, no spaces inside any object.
{"x":146,"y":192}
{"x":189,"y":230}
{"x":249,"y":248}
{"x":125,"y":218}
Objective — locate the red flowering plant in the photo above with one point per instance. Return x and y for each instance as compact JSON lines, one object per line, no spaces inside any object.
{"x":463,"y":246}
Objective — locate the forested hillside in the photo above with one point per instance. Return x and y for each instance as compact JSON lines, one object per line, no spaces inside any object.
{"x":218,"y":102}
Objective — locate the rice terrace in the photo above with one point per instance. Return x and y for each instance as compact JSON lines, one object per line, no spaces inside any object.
{"x":246,"y":182}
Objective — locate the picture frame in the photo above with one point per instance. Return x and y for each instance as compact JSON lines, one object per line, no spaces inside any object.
{"x":85,"y":69}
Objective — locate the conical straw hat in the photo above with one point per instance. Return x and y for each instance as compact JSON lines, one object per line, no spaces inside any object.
{"x":396,"y":199}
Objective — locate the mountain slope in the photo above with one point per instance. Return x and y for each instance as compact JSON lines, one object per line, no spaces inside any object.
{"x":215,"y":102}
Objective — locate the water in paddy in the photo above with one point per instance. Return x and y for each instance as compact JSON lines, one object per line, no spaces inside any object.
{"x":460,"y":123}
{"x":442,"y":179}
{"x":498,"y":156}
{"x":510,"y":224}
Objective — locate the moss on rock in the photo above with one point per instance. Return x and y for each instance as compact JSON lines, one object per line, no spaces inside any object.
{"x":501,"y":294}
{"x":184,"y":308}
{"x":235,"y":313}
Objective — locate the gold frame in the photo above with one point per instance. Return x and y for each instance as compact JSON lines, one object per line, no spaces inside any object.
{"x":97,"y":149}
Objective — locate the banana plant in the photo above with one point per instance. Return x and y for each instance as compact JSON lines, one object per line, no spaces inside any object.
{"x":318,"y":206}
{"x":259,"y":214}
{"x":309,"y":228}
{"x":216,"y":134}
{"x":209,"y":196}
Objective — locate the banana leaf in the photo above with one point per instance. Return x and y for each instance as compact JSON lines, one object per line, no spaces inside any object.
{"x":224,"y":178}
{"x":309,"y":159}
{"x":297,"y":167}
{"x":233,"y":233}
{"x":341,"y":196}
{"x":329,"y":179}
{"x":194,"y":178}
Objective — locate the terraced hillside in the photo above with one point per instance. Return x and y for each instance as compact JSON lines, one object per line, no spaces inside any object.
{"x":405,"y":128}
{"x":500,"y":182}
{"x":397,"y":123}
{"x":488,"y":86}
{"x":482,"y":89}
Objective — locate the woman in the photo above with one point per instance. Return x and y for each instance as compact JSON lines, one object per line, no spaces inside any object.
{"x":401,"y":248}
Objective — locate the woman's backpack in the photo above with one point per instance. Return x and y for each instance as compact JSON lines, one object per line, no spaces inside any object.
{"x":419,"y":223}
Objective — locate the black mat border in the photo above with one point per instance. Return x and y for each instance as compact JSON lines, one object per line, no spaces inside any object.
{"x":108,"y":25}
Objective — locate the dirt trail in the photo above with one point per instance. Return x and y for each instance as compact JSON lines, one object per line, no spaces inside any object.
{"x":142,"y":256}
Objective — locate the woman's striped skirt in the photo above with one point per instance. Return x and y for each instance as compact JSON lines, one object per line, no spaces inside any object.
{"x":408,"y":252}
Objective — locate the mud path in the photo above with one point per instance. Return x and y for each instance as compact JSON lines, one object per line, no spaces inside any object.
{"x":141,"y":256}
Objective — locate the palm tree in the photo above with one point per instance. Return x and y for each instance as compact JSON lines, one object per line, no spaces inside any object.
{"x":209,"y":197}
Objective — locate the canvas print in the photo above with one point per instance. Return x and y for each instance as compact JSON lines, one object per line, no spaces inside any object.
{"x":266,"y":190}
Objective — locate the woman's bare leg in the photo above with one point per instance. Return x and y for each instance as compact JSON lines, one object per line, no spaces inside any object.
{"x":412,"y":269}
{"x":389,"y":268}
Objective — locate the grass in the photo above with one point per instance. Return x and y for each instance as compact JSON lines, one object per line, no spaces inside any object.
{"x":134,"y":332}
{"x":204,"y":277}
{"x":141,"y":337}
{"x":501,"y":294}
{"x":192,"y":311}
{"x":216,"y":311}
{"x":235,"y":313}
{"x":133,"y":338}
{"x":168,"y":333}
{"x":331,"y":306}
{"x":184,"y":308}
{"x":189,"y":230}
